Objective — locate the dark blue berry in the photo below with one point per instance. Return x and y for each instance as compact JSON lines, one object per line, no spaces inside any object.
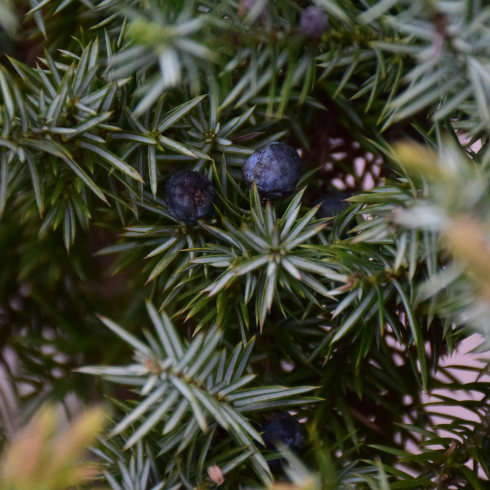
{"x":275,"y":168}
{"x":284,"y":428}
{"x":333,"y":204}
{"x":313,"y":22}
{"x":189,"y":196}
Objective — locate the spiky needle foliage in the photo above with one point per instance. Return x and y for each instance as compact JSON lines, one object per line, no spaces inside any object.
{"x":343,"y":322}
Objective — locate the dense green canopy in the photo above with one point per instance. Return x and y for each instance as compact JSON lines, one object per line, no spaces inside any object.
{"x":196,"y":334}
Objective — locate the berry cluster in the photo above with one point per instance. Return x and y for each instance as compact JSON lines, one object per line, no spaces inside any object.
{"x":275,"y":169}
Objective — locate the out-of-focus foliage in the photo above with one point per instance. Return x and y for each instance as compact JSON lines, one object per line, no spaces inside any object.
{"x":42,"y":457}
{"x":8,"y":17}
{"x":455,"y":205}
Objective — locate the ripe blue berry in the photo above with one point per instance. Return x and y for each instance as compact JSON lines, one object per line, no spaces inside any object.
{"x":333,"y":204}
{"x":189,"y":196}
{"x":284,"y":428}
{"x":275,"y":168}
{"x":313,"y":22}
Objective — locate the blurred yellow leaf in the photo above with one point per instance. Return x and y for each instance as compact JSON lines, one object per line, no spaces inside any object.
{"x":41,"y":459}
{"x":469,"y":240}
{"x":415,"y":158}
{"x":25,"y":458}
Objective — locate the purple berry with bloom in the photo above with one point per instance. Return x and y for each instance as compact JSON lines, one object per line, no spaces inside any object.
{"x":313,"y":22}
{"x":275,"y":169}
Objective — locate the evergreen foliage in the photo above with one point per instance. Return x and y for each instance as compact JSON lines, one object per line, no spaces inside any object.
{"x":220,"y":319}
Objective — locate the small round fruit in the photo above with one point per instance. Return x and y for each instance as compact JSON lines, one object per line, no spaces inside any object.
{"x":189,"y":196}
{"x":275,"y":168}
{"x":283,"y":428}
{"x":313,"y":22}
{"x":333,"y":204}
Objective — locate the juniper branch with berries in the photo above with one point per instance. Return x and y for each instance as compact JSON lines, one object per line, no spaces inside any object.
{"x":222,"y":185}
